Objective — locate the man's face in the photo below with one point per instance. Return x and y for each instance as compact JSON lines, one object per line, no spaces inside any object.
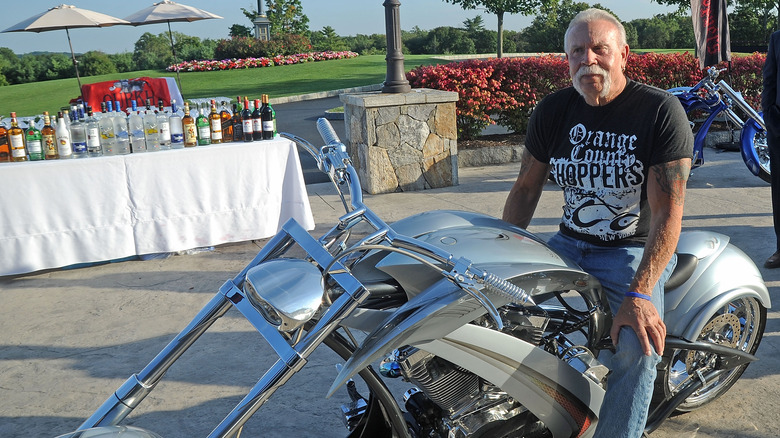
{"x":596,"y":61}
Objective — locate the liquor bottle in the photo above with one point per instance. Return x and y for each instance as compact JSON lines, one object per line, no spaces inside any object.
{"x":204,"y":130}
{"x":246,"y":117}
{"x":5,"y":148}
{"x":49,"y":138}
{"x":151,"y":128}
{"x":190,"y":130}
{"x":227,"y":123}
{"x":175,"y":122}
{"x":269,"y":119}
{"x":238,"y":123}
{"x":164,"y":125}
{"x":215,"y":121}
{"x":107,"y":132}
{"x":94,"y":148}
{"x":257,"y":122}
{"x":120,"y":130}
{"x":64,"y":144}
{"x":16,"y":140}
{"x":135,"y":126}
{"x":34,"y":142}
{"x":78,"y":135}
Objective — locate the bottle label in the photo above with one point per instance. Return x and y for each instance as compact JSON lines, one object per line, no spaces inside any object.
{"x":190,"y":134}
{"x":177,"y":138}
{"x":165,"y":132}
{"x":34,"y":146}
{"x":79,"y":147}
{"x":216,"y":129}
{"x":204,"y":132}
{"x":257,"y":125}
{"x":51,"y":144}
{"x":17,"y":145}
{"x":268,"y":126}
{"x":248,"y":129}
{"x":64,"y":147}
{"x":93,"y":138}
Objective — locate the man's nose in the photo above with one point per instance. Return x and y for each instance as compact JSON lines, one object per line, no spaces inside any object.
{"x":589,"y":58}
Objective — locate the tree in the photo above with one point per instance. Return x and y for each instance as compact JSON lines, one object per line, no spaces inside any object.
{"x":287,"y":17}
{"x":501,"y":7}
{"x":546,"y":32}
{"x":327,"y":39}
{"x":746,"y":9}
{"x":238,"y":30}
{"x":95,"y":63}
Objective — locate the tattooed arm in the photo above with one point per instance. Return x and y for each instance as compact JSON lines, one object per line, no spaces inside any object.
{"x":525,"y":193}
{"x":665,"y":194}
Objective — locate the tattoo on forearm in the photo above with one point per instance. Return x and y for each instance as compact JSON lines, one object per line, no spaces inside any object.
{"x":672,"y":177}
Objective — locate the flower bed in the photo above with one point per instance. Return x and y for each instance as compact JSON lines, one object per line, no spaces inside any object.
{"x":230,"y":64}
{"x":505,"y":90}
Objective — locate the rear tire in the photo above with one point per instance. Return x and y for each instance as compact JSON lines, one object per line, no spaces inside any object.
{"x":739,"y":324}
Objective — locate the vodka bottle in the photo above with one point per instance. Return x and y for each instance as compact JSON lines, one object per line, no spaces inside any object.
{"x":177,"y":128}
{"x":189,"y":128}
{"x":94,"y":148}
{"x":135,"y":126}
{"x":5,"y":148}
{"x":227,"y":123}
{"x":78,"y":135}
{"x":120,"y":130}
{"x":64,"y":145}
{"x":151,"y":128}
{"x":246,"y":116}
{"x":107,"y":131}
{"x":204,"y":130}
{"x":269,"y":119}
{"x":164,"y":126}
{"x":34,"y":142}
{"x":257,"y":122}
{"x":16,"y":140}
{"x":215,"y":122}
{"x":49,"y":138}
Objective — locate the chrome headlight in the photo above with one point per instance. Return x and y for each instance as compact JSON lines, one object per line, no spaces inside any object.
{"x":287,"y":292}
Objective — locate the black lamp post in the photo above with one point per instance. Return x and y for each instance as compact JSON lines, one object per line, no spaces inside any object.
{"x":395,"y":79}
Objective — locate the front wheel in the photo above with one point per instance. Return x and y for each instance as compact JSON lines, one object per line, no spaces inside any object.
{"x":739,"y":324}
{"x":755,"y":150}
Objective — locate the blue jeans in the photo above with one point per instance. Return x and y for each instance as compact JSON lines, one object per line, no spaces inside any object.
{"x":630,"y":382}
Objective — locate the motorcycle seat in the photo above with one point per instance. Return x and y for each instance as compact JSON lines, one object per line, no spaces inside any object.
{"x":686,"y":264}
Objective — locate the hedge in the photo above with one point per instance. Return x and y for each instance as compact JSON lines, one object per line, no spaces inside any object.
{"x":505,"y":90}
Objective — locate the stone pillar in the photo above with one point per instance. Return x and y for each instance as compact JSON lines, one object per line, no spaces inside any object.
{"x":402,"y":142}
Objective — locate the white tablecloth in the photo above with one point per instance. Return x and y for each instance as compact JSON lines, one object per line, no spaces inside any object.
{"x":65,"y":212}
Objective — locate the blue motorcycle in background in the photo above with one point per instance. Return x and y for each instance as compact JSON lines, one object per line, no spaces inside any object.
{"x":716,"y":99}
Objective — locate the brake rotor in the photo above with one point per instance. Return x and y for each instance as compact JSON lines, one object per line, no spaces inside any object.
{"x":714,"y":332}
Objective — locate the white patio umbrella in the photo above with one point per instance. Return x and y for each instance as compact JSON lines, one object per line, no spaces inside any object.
{"x":66,"y":17}
{"x":165,"y":12}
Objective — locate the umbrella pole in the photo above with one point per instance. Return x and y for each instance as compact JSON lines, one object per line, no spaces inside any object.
{"x":173,"y":49}
{"x":75,"y":63}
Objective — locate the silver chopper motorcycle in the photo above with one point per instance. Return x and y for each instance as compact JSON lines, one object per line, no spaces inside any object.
{"x":495,"y":334}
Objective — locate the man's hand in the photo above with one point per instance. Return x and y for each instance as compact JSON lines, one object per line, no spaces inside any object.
{"x":640,"y":315}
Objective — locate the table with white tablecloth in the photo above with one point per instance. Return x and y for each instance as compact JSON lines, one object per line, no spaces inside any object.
{"x":65,"y":212}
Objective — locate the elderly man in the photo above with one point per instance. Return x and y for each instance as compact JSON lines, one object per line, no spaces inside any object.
{"x":622,"y":152}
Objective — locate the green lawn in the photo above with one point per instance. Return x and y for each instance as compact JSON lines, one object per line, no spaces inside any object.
{"x":287,"y":80}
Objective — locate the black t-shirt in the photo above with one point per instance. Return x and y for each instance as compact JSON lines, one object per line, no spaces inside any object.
{"x":601,"y":155}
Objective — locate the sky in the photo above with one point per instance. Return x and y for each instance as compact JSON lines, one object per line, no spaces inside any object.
{"x":347,"y":17}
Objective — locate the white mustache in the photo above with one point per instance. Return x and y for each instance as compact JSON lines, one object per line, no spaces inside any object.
{"x":591,"y":70}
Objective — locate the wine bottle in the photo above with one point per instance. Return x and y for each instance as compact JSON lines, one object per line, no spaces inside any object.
{"x":64,"y":144}
{"x":189,"y":128}
{"x":215,"y":123}
{"x":246,"y":117}
{"x":49,"y":138}
{"x":269,"y":119}
{"x":34,"y":142}
{"x":238,"y":123}
{"x":257,"y":122}
{"x":204,"y":128}
{"x":16,"y":140}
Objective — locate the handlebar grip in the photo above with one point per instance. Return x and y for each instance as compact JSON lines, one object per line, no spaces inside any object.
{"x":327,"y":132}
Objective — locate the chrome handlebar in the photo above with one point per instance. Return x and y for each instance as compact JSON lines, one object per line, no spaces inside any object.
{"x":334,"y":160}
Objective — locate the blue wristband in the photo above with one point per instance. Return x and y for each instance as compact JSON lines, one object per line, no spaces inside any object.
{"x":638,"y":295}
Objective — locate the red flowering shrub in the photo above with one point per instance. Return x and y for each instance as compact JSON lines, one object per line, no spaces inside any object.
{"x":505,"y":90}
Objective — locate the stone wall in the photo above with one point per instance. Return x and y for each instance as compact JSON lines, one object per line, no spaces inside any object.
{"x":402,"y":142}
